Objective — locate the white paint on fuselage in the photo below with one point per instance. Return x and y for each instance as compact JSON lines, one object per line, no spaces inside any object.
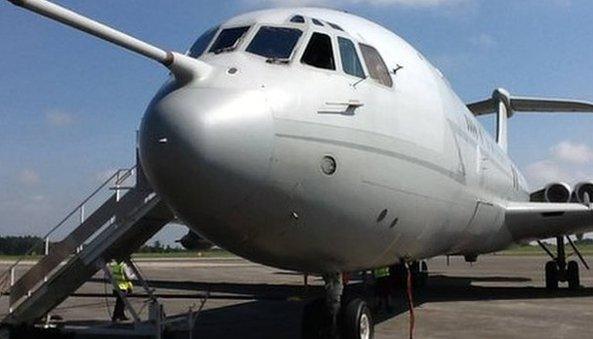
{"x":417,"y":176}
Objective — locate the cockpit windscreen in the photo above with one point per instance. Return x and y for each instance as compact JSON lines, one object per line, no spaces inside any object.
{"x":228,"y":39}
{"x":202,"y":43}
{"x":275,"y":43}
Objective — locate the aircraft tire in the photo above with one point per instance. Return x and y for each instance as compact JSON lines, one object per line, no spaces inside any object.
{"x":357,"y":320}
{"x":551,"y":275}
{"x":572,"y":275}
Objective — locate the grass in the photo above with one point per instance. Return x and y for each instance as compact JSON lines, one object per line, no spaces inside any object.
{"x":515,"y":250}
{"x":214,"y":253}
{"x":529,"y":250}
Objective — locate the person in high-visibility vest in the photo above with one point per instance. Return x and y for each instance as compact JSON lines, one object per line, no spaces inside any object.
{"x":121,"y":274}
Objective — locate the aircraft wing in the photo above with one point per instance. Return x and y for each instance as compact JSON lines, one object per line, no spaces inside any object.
{"x":535,"y":220}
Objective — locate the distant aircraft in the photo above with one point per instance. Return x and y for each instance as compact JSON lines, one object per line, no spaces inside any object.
{"x":314,"y":140}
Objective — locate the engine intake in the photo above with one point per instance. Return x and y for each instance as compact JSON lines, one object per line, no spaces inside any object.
{"x":580,"y":190}
{"x":558,"y":192}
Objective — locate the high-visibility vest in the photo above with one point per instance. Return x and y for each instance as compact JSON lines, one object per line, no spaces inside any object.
{"x":119,"y":275}
{"x":381,"y":272}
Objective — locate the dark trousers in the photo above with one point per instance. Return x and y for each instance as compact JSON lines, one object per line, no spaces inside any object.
{"x":120,"y":306}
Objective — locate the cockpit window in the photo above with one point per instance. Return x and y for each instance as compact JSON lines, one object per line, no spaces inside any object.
{"x":319,"y":52}
{"x":334,"y":26}
{"x":275,"y":43}
{"x":350,"y":62}
{"x":202,"y":43}
{"x":228,"y":39}
{"x":298,"y":19}
{"x":317,"y":22}
{"x":376,"y":65}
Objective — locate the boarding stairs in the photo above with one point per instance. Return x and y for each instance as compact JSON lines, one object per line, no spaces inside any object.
{"x":131,"y":215}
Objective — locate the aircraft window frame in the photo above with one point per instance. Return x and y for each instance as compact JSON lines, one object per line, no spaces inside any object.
{"x":383,"y":79}
{"x":236,"y":45}
{"x":332,"y":44}
{"x":212,"y":33}
{"x":295,"y":47}
{"x":354,"y":44}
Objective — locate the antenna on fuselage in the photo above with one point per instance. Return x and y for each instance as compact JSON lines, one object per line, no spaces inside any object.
{"x":183,"y":67}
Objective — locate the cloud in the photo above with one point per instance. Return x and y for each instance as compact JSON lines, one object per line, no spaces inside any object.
{"x":567,"y":161}
{"x":543,"y":172}
{"x":59,"y":119}
{"x":28,"y":177}
{"x":376,"y":3}
{"x":572,"y":152}
{"x":411,"y":3}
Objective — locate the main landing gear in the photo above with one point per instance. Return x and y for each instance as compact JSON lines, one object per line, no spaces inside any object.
{"x":558,"y":270}
{"x":334,"y":317}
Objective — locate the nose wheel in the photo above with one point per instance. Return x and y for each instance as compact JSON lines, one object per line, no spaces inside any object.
{"x":332,"y":317}
{"x":558,"y":270}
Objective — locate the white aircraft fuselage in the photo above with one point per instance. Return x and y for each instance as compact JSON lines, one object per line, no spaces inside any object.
{"x":314,"y":140}
{"x":320,"y":171}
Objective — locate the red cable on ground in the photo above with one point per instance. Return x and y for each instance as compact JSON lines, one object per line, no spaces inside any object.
{"x":410,"y":301}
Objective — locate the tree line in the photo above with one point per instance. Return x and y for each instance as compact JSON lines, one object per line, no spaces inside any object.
{"x":20,"y":245}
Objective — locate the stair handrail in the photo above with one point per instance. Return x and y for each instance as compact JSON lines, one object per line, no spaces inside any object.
{"x":127,"y":172}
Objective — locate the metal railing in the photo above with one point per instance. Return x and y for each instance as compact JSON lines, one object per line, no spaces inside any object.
{"x":115,"y":182}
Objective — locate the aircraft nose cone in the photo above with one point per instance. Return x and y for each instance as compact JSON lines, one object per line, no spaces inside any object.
{"x":205,"y":150}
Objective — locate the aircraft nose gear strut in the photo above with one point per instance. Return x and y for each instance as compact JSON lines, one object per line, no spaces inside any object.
{"x":334,"y":288}
{"x":335,"y":316}
{"x":558,"y":270}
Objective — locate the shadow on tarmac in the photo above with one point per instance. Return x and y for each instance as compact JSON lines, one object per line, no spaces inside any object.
{"x":274,"y":311}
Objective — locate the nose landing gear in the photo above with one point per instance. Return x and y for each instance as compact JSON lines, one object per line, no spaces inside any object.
{"x":350,"y":316}
{"x":558,"y":270}
{"x":335,"y":317}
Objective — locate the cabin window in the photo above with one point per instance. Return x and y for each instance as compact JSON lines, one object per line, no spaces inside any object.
{"x":350,"y":61}
{"x":319,"y":52}
{"x":376,"y":65}
{"x":275,"y":43}
{"x":228,"y":39}
{"x":298,"y":19}
{"x":199,"y":47}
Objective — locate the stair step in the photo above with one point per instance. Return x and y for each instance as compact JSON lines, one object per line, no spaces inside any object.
{"x":139,"y":214}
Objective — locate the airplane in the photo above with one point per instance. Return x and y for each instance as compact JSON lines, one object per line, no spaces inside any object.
{"x":315,"y":140}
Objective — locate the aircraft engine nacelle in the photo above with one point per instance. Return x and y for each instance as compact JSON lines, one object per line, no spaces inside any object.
{"x":555,"y":192}
{"x":580,"y":190}
{"x":193,"y":242}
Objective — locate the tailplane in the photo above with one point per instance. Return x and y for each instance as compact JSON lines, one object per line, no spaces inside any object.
{"x":505,"y":105}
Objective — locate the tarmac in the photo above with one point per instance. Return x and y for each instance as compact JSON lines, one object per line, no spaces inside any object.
{"x":497,"y":297}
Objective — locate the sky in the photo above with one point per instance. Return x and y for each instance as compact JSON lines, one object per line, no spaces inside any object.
{"x":70,"y":104}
